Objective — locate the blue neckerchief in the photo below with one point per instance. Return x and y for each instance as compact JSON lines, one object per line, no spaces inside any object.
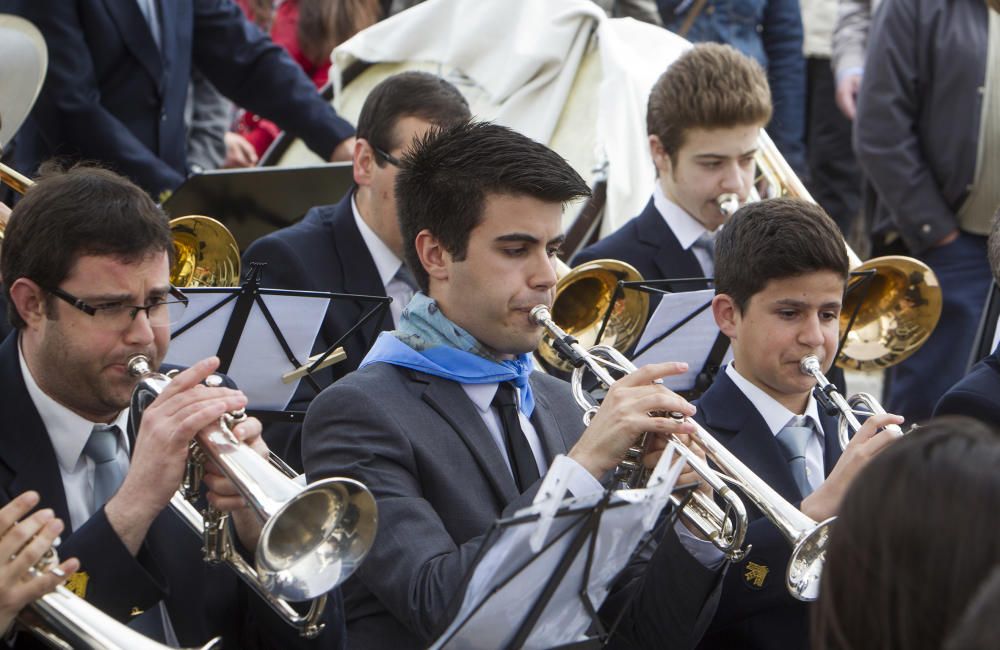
{"x":427,"y":341}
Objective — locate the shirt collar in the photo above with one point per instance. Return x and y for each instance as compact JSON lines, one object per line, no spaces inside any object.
{"x":774,"y":413}
{"x":385,"y":260}
{"x":481,"y":395}
{"x":686,"y":228}
{"x":68,"y":431}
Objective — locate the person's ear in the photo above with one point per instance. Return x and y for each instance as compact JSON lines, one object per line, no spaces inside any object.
{"x":727,"y":314}
{"x":433,"y":256}
{"x":363,"y":162}
{"x":29,"y":300}
{"x":661,"y":159}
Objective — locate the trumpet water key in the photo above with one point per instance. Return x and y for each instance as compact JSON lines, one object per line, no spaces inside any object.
{"x":313,"y":537}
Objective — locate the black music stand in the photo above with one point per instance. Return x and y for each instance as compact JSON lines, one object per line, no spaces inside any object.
{"x":249,"y":295}
{"x":575,"y":528}
{"x":256,"y":201}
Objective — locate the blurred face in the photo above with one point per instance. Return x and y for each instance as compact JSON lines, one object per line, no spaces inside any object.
{"x":376,"y":179}
{"x":80,"y":362}
{"x":710,"y":163}
{"x":787,"y":320}
{"x":508,"y":269}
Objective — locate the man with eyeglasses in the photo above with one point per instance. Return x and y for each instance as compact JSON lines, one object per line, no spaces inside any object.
{"x":355,"y":246}
{"x":86,"y":268}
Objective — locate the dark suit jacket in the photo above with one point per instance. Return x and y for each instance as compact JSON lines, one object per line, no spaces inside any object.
{"x":203,"y":601}
{"x":765,"y":616}
{"x":647,"y":243}
{"x":440,"y":481}
{"x":977,"y":394}
{"x":323,"y":252}
{"x":110,"y":95}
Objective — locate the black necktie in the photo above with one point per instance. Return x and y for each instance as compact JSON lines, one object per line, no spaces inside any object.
{"x":522,"y":461}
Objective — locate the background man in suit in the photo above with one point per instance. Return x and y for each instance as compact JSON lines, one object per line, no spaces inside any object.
{"x":448,"y":424}
{"x":703,"y":119}
{"x":24,"y":540}
{"x":86,"y":272}
{"x":978,"y":393}
{"x":780,"y":274}
{"x":355,"y":246}
{"x":118,"y":79}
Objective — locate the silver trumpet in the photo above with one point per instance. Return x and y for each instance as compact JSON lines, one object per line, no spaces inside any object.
{"x":63,"y":620}
{"x":727,"y":526}
{"x":313,"y":537}
{"x":728,"y":203}
{"x":849,"y":408}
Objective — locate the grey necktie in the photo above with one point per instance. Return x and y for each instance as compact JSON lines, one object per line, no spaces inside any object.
{"x":404,"y":275}
{"x":148,"y":9}
{"x":792,"y":440}
{"x":102,"y":448}
{"x":706,"y":243}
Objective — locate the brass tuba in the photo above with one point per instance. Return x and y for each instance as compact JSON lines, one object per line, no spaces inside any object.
{"x":205,"y":252}
{"x":314,"y":536}
{"x":583,"y":296}
{"x":65,"y":621}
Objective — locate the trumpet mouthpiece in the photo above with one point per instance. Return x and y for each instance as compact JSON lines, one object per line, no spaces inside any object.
{"x":539,"y":314}
{"x":728,"y":203}
{"x":138,"y":365}
{"x":809,"y":365}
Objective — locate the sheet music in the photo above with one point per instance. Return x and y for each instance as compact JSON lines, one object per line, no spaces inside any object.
{"x":503,"y":606}
{"x":259,"y":361}
{"x":692,"y":342}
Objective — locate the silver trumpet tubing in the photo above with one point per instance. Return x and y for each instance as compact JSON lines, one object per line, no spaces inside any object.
{"x":728,"y":203}
{"x":313,"y":537}
{"x":63,"y":620}
{"x":863,"y":404}
{"x":725,"y":526}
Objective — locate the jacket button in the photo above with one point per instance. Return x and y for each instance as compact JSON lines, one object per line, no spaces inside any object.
{"x":926,"y":228}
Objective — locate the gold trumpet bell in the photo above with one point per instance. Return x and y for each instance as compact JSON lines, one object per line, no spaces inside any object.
{"x":902,"y":307}
{"x":581,"y":301}
{"x":206,"y":253}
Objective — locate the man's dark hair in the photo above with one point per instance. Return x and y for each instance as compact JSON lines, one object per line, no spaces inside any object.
{"x":445,"y":180}
{"x":408,"y":94}
{"x":775,"y":239}
{"x":83,"y":210}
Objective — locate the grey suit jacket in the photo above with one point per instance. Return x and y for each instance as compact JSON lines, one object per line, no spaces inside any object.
{"x":440,"y":481}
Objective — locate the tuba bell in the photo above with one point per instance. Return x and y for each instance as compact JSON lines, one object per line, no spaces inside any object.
{"x":582,"y":298}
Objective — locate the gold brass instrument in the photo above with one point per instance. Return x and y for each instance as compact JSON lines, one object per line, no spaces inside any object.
{"x":850,"y":408}
{"x":582,"y":297}
{"x":205,"y":252}
{"x":903,"y":304}
{"x":725,"y":527}
{"x":65,"y":621}
{"x":314,"y":536}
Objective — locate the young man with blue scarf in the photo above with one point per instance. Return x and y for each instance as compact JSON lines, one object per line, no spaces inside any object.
{"x":449,"y":426}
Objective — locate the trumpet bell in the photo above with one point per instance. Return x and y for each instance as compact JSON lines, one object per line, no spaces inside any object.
{"x":805,"y":568}
{"x":898,"y":314}
{"x":317,"y":539}
{"x":206,"y":253}
{"x":582,"y":299}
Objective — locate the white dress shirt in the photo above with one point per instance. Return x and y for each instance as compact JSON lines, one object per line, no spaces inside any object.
{"x":69,"y":433}
{"x":387,"y":264}
{"x":686,"y":228}
{"x":777,"y":417}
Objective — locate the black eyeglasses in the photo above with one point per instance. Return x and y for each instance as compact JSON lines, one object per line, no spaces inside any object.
{"x":119,"y":316}
{"x":388,"y":157}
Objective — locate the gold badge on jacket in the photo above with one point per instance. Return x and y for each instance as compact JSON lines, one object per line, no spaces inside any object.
{"x":755,"y":575}
{"x":77,"y":583}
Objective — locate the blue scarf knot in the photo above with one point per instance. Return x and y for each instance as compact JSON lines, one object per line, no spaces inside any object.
{"x":428,"y":342}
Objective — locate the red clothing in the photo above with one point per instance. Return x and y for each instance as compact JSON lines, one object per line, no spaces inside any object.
{"x":284,"y":31}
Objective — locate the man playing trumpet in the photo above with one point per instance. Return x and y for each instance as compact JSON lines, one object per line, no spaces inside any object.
{"x":703,"y":120}
{"x":449,"y":426}
{"x":86,"y":266}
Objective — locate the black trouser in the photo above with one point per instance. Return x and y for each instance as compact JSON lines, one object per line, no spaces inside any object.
{"x":835,"y":178}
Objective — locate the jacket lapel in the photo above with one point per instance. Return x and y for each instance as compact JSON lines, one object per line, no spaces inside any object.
{"x":736,"y":423}
{"x":449,"y":400}
{"x":134,"y":31}
{"x":548,"y":429}
{"x":831,"y":441}
{"x":670,"y":259}
{"x":25,"y":447}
